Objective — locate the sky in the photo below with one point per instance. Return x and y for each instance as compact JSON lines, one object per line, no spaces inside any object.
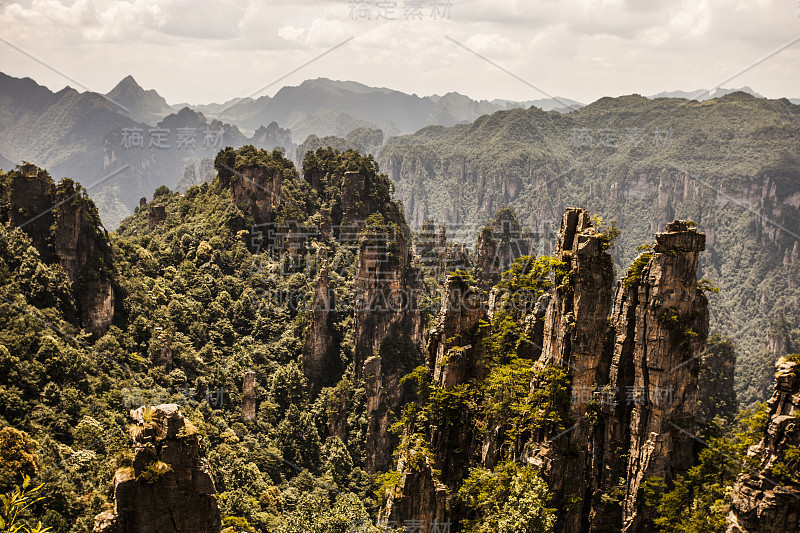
{"x":203,"y":51}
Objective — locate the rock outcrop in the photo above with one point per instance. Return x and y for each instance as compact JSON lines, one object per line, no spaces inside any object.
{"x":249,"y":397}
{"x":574,"y":337}
{"x":762,"y":501}
{"x":259,"y":190}
{"x":632,"y":374}
{"x":64,"y":226}
{"x":321,"y":361}
{"x":671,"y":325}
{"x":454,"y":351}
{"x":273,"y":135}
{"x":432,"y":251}
{"x":455,"y":356}
{"x":157,"y":213}
{"x":169,"y":488}
{"x":388,"y":331}
{"x":499,"y":243}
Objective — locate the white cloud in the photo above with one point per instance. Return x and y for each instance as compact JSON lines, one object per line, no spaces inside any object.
{"x":582,"y":49}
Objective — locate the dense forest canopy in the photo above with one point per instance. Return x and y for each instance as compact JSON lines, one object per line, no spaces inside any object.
{"x":197,"y":307}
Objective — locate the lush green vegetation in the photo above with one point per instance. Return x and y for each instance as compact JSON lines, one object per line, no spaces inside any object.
{"x":15,"y":504}
{"x":641,"y":162}
{"x":510,"y":499}
{"x":699,"y":501}
{"x":197,"y":307}
{"x":201,"y":300}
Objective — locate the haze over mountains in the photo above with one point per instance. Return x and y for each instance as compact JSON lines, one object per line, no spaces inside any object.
{"x":327,"y":107}
{"x":84,"y":134}
{"x":92,"y":135}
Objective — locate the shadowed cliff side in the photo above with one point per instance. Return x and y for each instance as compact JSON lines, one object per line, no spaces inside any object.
{"x":632,"y":378}
{"x":766,"y":499}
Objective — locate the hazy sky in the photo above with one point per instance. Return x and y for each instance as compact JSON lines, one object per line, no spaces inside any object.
{"x":213,"y":50}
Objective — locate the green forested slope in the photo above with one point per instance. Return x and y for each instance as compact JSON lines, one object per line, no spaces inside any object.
{"x":192,"y":317}
{"x":731,"y":164}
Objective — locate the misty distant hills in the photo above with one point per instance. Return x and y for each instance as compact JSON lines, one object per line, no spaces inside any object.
{"x":328,"y":107}
{"x":731,"y":164}
{"x":63,"y":131}
{"x":119,"y":156}
{"x":704,"y":94}
{"x":134,"y":132}
{"x":88,"y":135}
{"x":144,"y":106}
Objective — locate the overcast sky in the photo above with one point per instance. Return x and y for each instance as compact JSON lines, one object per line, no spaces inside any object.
{"x":202,"y":51}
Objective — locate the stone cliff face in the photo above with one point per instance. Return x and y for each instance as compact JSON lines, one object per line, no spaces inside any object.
{"x":499,"y":243}
{"x":258,"y":190}
{"x":454,"y":351}
{"x":272,"y":136}
{"x":633,"y":378}
{"x":574,"y":336}
{"x":157,"y":213}
{"x":249,"y":397}
{"x":670,"y":331}
{"x":388,"y":332}
{"x":455,"y":356}
{"x":633,"y":375}
{"x":761,"y":503}
{"x":169,"y":488}
{"x":64,"y":226}
{"x":321,"y":362}
{"x":432,"y":250}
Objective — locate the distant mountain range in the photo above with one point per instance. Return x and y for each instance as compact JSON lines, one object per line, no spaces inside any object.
{"x":328,"y":107}
{"x":144,"y":106}
{"x":120,"y":146}
{"x":136,"y":134}
{"x":704,"y":94}
{"x":89,"y":135}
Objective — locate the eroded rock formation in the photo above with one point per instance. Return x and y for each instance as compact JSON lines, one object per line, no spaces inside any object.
{"x":257,"y":189}
{"x":455,"y":356}
{"x":499,"y":243}
{"x":671,"y":325}
{"x":64,"y":226}
{"x":388,"y":332}
{"x":321,"y":362}
{"x":249,"y":397}
{"x":169,"y":488}
{"x":633,"y":379}
{"x":574,"y":336}
{"x":761,"y":500}
{"x":157,"y":213}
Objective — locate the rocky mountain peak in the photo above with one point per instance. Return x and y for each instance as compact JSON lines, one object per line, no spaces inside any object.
{"x":169,"y":487}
